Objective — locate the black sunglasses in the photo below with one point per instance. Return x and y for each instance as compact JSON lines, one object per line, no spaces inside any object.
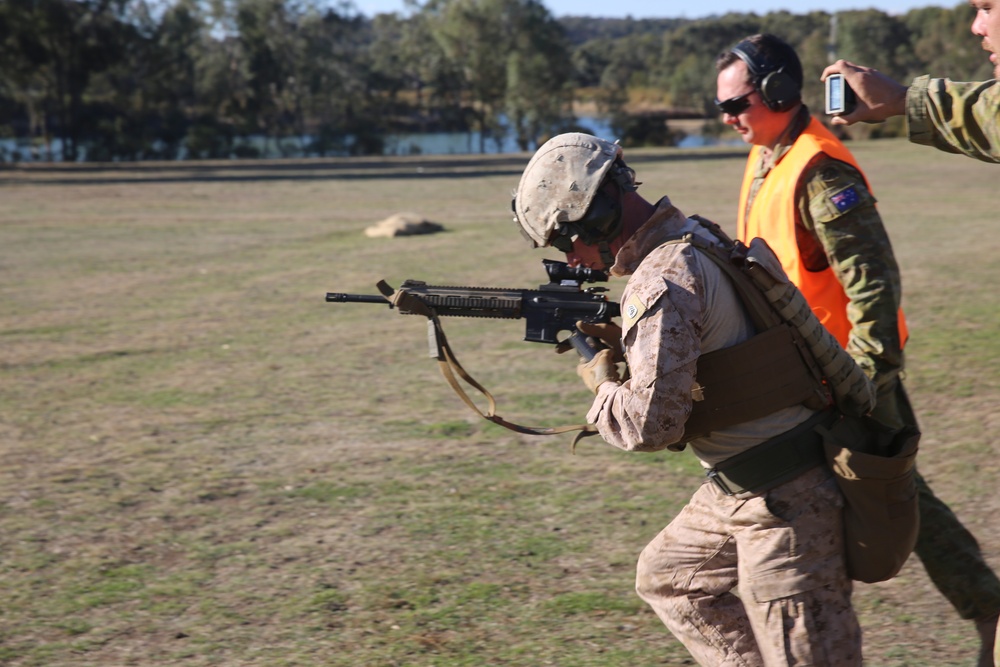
{"x":734,"y":106}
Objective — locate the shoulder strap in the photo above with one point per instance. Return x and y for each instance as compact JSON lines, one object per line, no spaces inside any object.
{"x":730,"y":256}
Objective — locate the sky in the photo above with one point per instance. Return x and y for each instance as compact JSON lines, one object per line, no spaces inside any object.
{"x":689,"y":10}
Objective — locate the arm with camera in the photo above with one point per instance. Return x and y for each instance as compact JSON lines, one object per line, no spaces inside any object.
{"x":952,"y":116}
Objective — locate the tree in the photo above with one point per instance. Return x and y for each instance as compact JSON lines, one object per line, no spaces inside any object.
{"x":24,"y":78}
{"x":875,"y":39}
{"x":686,"y":66}
{"x":944,"y":45}
{"x":411,"y":67}
{"x":141,"y":79}
{"x":346,"y":108}
{"x":473,"y":36}
{"x":538,"y":98}
{"x":55,"y":47}
{"x":267,"y":32}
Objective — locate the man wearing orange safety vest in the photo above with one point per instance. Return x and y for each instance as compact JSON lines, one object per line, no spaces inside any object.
{"x":804,"y":193}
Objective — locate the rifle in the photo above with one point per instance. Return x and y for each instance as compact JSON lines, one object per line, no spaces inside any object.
{"x":554,"y":307}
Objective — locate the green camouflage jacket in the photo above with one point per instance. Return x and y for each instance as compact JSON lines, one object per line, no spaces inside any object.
{"x":957,"y":117}
{"x":853,"y":241}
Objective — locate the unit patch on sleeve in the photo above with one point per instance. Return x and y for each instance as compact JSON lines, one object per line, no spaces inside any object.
{"x":846,"y":199}
{"x":632,"y":310}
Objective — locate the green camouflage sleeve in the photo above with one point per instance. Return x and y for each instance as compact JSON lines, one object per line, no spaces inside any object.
{"x":843,"y":230}
{"x":956,"y":117}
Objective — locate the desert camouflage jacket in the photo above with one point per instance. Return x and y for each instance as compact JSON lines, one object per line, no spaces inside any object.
{"x":676,"y":306}
{"x":956,"y":117}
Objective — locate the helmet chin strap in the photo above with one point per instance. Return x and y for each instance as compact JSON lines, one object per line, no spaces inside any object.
{"x":605,"y":249}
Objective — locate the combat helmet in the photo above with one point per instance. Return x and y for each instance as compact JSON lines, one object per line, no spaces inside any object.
{"x":559,"y":197}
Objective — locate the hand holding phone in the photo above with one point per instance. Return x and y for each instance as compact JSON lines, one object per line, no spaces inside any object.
{"x":840,"y":98}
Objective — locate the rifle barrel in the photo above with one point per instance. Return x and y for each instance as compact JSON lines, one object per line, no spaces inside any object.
{"x":337,"y":297}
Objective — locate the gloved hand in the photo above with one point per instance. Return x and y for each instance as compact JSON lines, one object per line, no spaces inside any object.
{"x":608,"y":333}
{"x":598,"y":370}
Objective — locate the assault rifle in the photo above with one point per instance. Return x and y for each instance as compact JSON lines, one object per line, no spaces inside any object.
{"x":554,"y":307}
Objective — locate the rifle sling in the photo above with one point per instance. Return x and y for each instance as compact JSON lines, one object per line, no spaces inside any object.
{"x":450,"y":367}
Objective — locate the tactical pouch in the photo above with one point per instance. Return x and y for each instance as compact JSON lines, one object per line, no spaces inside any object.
{"x":881,"y":518}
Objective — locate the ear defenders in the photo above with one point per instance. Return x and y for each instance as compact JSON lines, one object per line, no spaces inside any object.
{"x":777,"y":89}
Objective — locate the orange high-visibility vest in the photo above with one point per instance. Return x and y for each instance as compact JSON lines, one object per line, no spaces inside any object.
{"x":772,"y":217}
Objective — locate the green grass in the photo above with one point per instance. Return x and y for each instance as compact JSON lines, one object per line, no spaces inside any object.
{"x":202,"y":463}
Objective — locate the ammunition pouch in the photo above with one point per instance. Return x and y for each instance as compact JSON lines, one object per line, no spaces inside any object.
{"x":852,"y":391}
{"x":881,"y":516}
{"x":775,"y":461}
{"x":874,"y":465}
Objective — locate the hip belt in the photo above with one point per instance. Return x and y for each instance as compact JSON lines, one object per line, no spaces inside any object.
{"x":774,"y":461}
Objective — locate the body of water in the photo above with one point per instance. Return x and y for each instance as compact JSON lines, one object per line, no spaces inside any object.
{"x":424,"y":143}
{"x":457,"y":143}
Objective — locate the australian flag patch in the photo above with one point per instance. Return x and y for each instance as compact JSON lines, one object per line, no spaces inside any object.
{"x":846,"y":199}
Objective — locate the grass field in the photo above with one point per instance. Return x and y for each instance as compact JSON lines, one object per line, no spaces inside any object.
{"x":205,"y":464}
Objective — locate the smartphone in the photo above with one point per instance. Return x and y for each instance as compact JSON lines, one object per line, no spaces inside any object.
{"x":840,"y":98}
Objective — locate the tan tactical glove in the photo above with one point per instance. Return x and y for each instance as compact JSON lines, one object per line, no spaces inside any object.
{"x":608,"y":333}
{"x":598,"y":370}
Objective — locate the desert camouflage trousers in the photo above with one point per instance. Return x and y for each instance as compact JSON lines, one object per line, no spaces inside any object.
{"x":756,"y":581}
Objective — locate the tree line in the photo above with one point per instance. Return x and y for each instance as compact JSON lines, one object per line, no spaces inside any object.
{"x":167,"y":79}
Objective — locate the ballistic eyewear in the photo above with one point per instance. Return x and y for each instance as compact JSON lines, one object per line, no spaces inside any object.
{"x":734,"y":106}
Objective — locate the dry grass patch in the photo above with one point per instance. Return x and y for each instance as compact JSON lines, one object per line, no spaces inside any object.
{"x":205,"y":464}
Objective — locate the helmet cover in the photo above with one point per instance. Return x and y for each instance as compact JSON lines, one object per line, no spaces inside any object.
{"x":559,"y":183}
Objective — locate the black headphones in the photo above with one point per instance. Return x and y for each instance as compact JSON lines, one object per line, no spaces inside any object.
{"x":777,"y":89}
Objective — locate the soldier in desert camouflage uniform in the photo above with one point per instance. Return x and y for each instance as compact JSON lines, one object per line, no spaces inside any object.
{"x":741,"y":577}
{"x":953,"y":116}
{"x":806,"y":196}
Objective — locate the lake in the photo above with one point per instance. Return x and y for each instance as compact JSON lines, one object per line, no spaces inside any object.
{"x":422,"y":143}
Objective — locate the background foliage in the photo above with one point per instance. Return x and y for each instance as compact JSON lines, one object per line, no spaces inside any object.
{"x":144,"y":79}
